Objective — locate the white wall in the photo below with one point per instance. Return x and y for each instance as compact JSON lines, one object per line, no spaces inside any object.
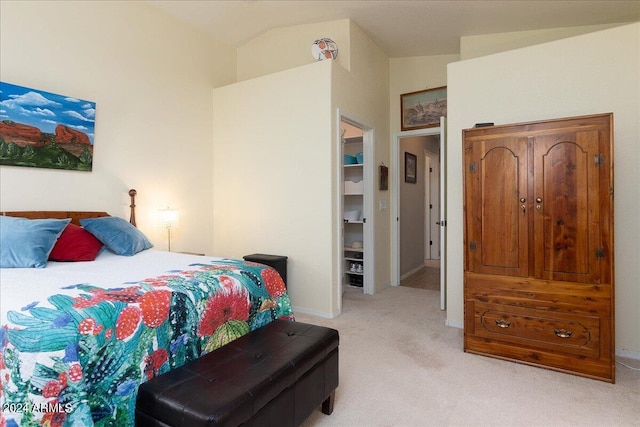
{"x":271,"y":187}
{"x":151,"y":78}
{"x":363,"y":93}
{"x":276,"y":166}
{"x":587,"y":74}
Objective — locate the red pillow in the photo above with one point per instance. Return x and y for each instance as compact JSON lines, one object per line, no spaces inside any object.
{"x":75,"y":244}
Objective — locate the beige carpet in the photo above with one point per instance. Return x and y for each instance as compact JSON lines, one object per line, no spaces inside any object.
{"x":401,"y":366}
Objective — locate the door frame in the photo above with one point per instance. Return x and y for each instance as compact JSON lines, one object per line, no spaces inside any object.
{"x":395,"y":204}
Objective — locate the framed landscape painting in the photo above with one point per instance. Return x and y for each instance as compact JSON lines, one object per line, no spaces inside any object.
{"x":423,"y":109}
{"x":45,"y":130}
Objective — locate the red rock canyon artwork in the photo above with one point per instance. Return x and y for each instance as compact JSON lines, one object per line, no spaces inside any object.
{"x":45,"y":130}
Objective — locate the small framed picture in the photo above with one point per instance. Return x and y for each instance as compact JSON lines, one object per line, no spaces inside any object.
{"x":423,"y":109}
{"x":410,"y":168}
{"x":384,"y":177}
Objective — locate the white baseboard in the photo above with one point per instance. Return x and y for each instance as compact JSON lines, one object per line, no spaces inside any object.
{"x":628,"y":353}
{"x":322,"y":314}
{"x":454,"y":324}
{"x":410,"y":272}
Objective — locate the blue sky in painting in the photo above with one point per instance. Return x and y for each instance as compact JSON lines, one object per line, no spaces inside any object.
{"x":46,"y":110}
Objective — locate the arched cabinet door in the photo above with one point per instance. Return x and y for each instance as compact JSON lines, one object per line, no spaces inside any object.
{"x":570,"y":174}
{"x":495,"y":201}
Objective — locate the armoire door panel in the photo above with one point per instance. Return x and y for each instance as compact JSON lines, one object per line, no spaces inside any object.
{"x":567,"y":207}
{"x":496,"y":200}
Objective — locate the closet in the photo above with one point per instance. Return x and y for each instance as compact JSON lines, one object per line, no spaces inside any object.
{"x":354,"y":217}
{"x":539,"y":276}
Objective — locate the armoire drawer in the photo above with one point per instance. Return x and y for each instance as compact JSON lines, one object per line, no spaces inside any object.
{"x":542,"y":329}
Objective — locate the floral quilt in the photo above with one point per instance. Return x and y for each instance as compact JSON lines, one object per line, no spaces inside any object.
{"x":78,"y":360}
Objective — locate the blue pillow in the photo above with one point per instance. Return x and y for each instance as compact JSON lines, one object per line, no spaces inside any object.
{"x":26,"y":243}
{"x":117,"y":235}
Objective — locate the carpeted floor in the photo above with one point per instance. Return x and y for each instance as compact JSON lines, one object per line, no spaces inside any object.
{"x":401,"y":366}
{"x":426,"y":278}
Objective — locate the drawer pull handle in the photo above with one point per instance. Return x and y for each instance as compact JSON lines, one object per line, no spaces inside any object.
{"x":563,"y":333}
{"x":503,"y":323}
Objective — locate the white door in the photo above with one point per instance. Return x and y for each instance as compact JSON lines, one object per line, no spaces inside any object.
{"x":432,"y":205}
{"x":428,"y":208}
{"x":443,"y":214}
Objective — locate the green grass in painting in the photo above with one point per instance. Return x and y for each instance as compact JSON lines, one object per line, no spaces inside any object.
{"x":48,"y":156}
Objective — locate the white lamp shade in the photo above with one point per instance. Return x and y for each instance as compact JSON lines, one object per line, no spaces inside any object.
{"x":169,"y":217}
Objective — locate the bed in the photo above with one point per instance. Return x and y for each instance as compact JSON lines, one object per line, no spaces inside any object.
{"x":78,"y":338}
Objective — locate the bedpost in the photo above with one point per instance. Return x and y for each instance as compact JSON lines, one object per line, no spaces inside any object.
{"x":132,"y":218}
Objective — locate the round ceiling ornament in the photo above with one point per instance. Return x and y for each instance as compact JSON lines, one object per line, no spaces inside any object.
{"x":324,"y":48}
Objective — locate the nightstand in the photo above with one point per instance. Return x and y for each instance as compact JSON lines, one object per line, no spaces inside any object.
{"x":278,"y":262}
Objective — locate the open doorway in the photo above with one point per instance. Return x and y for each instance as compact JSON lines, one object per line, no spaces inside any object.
{"x":356,"y":245}
{"x":418,"y":241}
{"x":419,"y":212}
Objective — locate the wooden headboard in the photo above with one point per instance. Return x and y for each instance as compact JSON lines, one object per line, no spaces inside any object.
{"x":75,"y":216}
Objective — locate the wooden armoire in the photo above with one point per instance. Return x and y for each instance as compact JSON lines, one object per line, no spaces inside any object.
{"x":538,"y":279}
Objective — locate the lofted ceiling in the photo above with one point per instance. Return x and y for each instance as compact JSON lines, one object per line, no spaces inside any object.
{"x":400,"y":28}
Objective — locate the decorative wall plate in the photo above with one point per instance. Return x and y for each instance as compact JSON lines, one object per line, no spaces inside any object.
{"x":324,"y":48}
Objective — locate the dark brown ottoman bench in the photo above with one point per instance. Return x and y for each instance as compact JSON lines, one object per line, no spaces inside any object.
{"x":276,"y":375}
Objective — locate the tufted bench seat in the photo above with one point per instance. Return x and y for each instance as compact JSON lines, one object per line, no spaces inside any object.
{"x":273,"y":376}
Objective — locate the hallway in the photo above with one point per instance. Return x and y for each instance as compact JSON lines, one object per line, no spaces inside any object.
{"x":427,"y":278}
